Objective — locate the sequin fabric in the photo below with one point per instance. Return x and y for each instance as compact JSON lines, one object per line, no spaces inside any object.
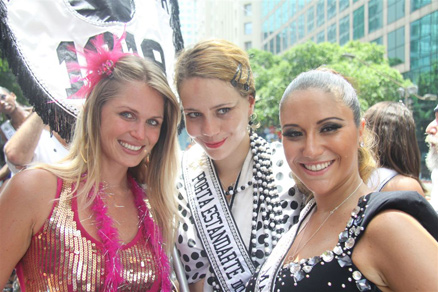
{"x":63,"y":257}
{"x":334,"y":269}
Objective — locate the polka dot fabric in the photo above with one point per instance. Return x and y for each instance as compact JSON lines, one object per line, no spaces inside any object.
{"x":190,"y":248}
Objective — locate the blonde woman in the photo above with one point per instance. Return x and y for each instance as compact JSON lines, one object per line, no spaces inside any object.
{"x":102,"y":219}
{"x":237,"y":196}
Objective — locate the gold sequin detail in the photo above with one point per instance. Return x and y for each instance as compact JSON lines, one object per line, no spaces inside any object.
{"x":61,"y":258}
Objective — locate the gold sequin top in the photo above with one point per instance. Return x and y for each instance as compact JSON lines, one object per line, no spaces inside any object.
{"x":62,"y":256}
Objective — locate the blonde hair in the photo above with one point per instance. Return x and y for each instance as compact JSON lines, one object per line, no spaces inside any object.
{"x":339,"y":86}
{"x":216,"y":59}
{"x":82,"y":164}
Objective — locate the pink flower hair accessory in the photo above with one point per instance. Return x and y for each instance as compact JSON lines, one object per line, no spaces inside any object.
{"x":101,"y":62}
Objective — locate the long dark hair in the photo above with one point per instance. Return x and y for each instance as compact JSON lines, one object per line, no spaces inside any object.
{"x":394,"y":129}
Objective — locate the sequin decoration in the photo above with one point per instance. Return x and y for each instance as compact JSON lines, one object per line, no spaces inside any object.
{"x":62,"y":257}
{"x":340,"y":253}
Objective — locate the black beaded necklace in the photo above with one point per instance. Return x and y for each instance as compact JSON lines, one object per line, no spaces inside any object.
{"x":266,"y":202}
{"x":265,"y":196}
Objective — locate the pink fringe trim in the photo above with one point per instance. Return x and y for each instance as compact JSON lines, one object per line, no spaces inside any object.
{"x":155,"y":238}
{"x":109,"y":237}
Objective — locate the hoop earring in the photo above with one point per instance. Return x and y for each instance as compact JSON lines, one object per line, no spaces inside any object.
{"x":147,"y":158}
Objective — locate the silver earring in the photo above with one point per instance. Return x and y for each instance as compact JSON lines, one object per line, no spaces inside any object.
{"x":361,"y":144}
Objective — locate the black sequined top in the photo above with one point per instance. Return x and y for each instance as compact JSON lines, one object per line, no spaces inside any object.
{"x":334,"y":270}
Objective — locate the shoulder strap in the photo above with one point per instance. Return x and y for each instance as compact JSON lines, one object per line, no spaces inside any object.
{"x":409,"y":202}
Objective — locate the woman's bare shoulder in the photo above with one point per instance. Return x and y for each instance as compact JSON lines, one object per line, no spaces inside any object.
{"x":25,"y":204}
{"x":34,"y":180}
{"x":32,"y":189}
{"x":403,"y":183}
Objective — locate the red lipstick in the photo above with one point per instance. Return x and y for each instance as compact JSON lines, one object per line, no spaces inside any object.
{"x":215,"y":145}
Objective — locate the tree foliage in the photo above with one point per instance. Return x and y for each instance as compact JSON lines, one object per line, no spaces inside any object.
{"x":9,"y":81}
{"x":369,"y":71}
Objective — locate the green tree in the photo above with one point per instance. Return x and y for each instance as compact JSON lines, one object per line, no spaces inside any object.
{"x":9,"y":81}
{"x":369,"y":71}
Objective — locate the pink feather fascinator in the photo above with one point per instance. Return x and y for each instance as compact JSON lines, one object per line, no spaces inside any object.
{"x":101,"y":62}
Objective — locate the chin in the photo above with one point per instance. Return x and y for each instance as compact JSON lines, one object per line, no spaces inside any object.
{"x":432,"y":158}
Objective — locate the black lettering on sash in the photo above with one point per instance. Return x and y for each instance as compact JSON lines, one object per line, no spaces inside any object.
{"x":204,"y":202}
{"x":227,"y":259}
{"x":214,"y":232}
{"x":199,"y":178}
{"x":201,"y":186}
{"x":221,"y":243}
{"x":263,"y":277}
{"x":209,"y":215}
{"x":235,"y":267}
{"x":238,"y":286}
{"x":222,"y":252}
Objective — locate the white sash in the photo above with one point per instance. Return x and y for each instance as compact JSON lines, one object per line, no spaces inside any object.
{"x":214,"y":222}
{"x":266,"y":277}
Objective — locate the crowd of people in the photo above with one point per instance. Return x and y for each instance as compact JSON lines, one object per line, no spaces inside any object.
{"x":338,"y":205}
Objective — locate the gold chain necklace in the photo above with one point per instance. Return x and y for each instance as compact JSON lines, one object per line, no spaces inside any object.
{"x":298,"y":249}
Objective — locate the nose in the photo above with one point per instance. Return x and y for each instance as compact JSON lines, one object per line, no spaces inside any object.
{"x":432,"y":128}
{"x":138,"y":131}
{"x":209,"y":127}
{"x":312,"y":147}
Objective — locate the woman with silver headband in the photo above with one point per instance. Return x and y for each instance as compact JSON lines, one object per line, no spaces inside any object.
{"x":235,"y":194}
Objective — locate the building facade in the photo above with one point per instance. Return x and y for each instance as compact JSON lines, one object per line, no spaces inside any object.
{"x":236,"y":21}
{"x":407,"y":28}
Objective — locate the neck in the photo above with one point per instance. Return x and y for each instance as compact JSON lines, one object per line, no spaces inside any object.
{"x":18,"y":116}
{"x":118,"y":181}
{"x":343,"y":196}
{"x":229,"y":168}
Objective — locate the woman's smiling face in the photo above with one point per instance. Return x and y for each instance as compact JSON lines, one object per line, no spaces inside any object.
{"x":320,"y":139}
{"x":216,"y":116}
{"x":131,"y":125}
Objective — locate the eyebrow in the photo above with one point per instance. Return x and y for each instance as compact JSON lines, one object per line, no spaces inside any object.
{"x":318,"y":123}
{"x":329,"y":118}
{"x":228,"y":104}
{"x":124,"y":107}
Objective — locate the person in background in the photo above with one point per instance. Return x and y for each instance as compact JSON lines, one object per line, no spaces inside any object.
{"x":432,"y":157}
{"x":14,"y":112}
{"x":396,"y":148}
{"x":15,"y":115}
{"x":33,"y":143}
{"x":236,"y":196}
{"x":103,"y":218}
{"x":348,"y":238}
